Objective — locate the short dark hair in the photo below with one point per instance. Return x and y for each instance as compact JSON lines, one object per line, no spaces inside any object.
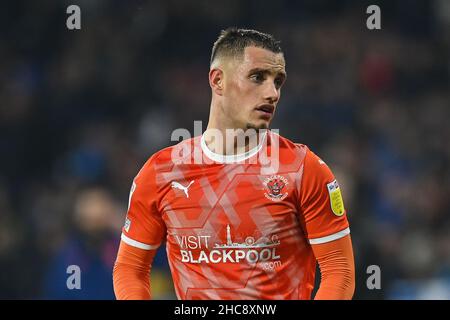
{"x":233,"y":41}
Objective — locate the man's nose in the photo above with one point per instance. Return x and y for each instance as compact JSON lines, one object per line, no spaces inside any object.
{"x":271,"y":93}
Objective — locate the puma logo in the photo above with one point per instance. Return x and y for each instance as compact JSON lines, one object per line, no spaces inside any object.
{"x":177,"y":185}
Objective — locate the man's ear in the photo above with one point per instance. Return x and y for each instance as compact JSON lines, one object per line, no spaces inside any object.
{"x":216,"y":80}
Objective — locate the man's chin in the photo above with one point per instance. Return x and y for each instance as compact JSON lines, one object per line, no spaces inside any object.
{"x":258,"y":125}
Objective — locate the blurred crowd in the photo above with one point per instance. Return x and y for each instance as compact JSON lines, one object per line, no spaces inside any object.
{"x":81,"y":111}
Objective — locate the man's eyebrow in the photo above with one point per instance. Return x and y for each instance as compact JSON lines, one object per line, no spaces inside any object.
{"x":266,"y":71}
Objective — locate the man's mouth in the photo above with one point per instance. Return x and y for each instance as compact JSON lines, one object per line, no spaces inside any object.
{"x":266,"y":109}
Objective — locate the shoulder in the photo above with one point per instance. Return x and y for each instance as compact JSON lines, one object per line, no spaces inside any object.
{"x":290,"y":152}
{"x":287,"y":145}
{"x":303,"y":154}
{"x":315,"y":171}
{"x":166,"y":158}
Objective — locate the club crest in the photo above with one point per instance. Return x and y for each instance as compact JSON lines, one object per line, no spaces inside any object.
{"x":276,"y":187}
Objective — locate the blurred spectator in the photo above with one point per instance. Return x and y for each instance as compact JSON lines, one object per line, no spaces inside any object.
{"x":92,"y":246}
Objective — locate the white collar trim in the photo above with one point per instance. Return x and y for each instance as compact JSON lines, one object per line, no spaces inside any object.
{"x":233,"y":158}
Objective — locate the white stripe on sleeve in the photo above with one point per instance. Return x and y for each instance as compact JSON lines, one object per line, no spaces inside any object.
{"x":138,"y":244}
{"x":334,"y":236}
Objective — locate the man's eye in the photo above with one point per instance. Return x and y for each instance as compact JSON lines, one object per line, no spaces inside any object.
{"x":279,"y":83}
{"x":257,"y":77}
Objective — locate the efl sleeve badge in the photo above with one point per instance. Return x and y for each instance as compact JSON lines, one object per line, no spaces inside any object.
{"x":337,"y":204}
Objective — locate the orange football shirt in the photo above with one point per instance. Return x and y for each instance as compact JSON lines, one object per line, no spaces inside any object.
{"x":237,"y":227}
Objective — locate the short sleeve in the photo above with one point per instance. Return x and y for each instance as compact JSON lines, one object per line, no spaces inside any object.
{"x":323,"y":214}
{"x":144,"y":227}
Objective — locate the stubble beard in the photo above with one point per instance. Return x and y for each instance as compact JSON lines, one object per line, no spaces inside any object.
{"x":255,"y":127}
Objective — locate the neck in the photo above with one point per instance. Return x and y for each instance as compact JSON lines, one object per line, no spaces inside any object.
{"x":225,"y":138}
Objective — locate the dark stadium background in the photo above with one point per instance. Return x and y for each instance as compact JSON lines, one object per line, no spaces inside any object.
{"x":81,"y":111}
